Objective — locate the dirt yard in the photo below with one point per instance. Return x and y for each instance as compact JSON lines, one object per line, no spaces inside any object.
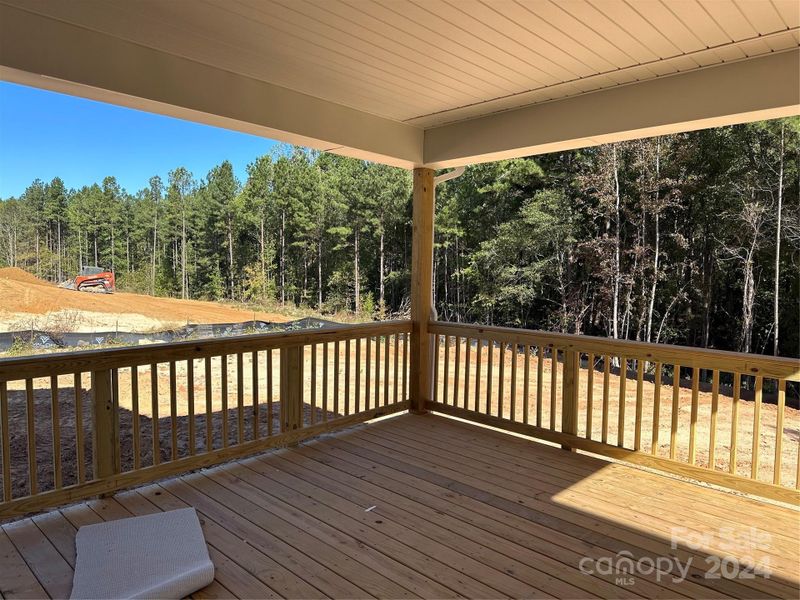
{"x":30,"y":303}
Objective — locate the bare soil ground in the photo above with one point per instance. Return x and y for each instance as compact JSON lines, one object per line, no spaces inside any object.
{"x":29,"y":302}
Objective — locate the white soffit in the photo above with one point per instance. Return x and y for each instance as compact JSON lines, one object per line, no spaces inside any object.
{"x":419,"y":64}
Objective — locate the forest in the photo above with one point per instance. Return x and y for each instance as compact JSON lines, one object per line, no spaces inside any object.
{"x":691,"y":238}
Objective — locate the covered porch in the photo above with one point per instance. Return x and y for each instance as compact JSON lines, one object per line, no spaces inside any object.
{"x":506,"y":462}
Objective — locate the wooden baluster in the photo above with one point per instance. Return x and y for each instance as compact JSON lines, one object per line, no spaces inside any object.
{"x":115,"y":419}
{"x":31,"y":425}
{"x":156,"y":441}
{"x":377,"y":372}
{"x":208,"y":384}
{"x":173,"y":410}
{"x":553,"y":386}
{"x":105,"y":445}
{"x":190,"y":404}
{"x":386,"y":362}
{"x":270,"y":395}
{"x":539,"y":384}
{"x":314,"y":384}
{"x":254,"y":394}
{"x":623,"y":382}
{"x":336,"y":376}
{"x":478,"y":357}
{"x":325,"y":382}
{"x":55,"y":414}
{"x":489,"y":363}
{"x":79,"y":438}
{"x":501,"y":379}
{"x":712,"y":436}
{"x":358,"y":376}
{"x":637,"y":442}
{"x":367,"y":378}
{"x":676,"y":396}
{"x":589,"y":395}
{"x":224,"y":366}
{"x":589,"y":392}
{"x":435,"y":358}
{"x":239,"y":397}
{"x":606,"y":397}
{"x":513,"y":399}
{"x":754,"y":464}
{"x":6,"y":449}
{"x":656,"y":410}
{"x":347,"y":377}
{"x":776,"y":476}
{"x":467,"y":360}
{"x":395,"y":378}
{"x":526,"y":386}
{"x":737,"y":390}
{"x":405,"y":366}
{"x":135,"y":417}
{"x":693,"y":418}
{"x":457,"y":370}
{"x":445,"y":392}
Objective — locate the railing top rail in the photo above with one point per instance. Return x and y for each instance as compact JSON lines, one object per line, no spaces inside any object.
{"x":46,"y":365}
{"x":726,"y":361}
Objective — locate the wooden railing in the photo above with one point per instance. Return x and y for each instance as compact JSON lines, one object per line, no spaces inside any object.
{"x":719,"y":417}
{"x":78,"y":424}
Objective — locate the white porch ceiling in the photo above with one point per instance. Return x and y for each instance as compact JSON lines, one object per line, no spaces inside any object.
{"x":426,"y":63}
{"x":430,"y":62}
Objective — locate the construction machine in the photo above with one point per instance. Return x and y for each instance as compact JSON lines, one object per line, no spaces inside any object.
{"x":92,"y":279}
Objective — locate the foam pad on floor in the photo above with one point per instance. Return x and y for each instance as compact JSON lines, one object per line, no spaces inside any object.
{"x":163,"y":555}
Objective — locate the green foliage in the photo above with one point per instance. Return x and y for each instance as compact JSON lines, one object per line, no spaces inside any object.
{"x":257,"y":288}
{"x":553,"y":242}
{"x":20,"y":347}
{"x":368,"y":305}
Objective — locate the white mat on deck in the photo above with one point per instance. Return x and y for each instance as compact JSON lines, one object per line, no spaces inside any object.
{"x":163,"y":555}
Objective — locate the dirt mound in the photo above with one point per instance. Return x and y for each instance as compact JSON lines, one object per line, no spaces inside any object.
{"x":17,"y":274}
{"x":25,"y":296}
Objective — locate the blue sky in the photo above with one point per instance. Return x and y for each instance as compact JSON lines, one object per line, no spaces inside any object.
{"x":44,"y":135}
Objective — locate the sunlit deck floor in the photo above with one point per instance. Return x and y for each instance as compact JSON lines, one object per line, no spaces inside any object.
{"x":427,"y":506}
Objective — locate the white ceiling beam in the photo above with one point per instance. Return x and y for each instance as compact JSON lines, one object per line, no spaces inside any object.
{"x":748,"y":90}
{"x":43,"y":52}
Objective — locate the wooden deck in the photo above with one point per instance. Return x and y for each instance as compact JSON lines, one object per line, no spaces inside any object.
{"x":428,"y":506}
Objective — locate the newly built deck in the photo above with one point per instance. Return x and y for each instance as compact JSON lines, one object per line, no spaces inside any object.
{"x":429,"y":506}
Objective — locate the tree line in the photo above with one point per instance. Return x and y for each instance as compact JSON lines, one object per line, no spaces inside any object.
{"x":691,"y":238}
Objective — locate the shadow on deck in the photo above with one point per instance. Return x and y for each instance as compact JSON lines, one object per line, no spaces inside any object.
{"x":427,"y":506}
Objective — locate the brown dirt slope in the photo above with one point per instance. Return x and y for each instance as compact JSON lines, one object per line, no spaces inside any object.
{"x":21,"y":292}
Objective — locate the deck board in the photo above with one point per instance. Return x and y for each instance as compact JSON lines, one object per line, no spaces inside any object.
{"x":652,"y":485}
{"x":595,"y":495}
{"x":425,"y":506}
{"x":453,"y":570}
{"x":16,"y":579}
{"x":602,"y":520}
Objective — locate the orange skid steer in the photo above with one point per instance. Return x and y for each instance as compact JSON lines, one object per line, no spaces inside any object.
{"x":92,"y":279}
